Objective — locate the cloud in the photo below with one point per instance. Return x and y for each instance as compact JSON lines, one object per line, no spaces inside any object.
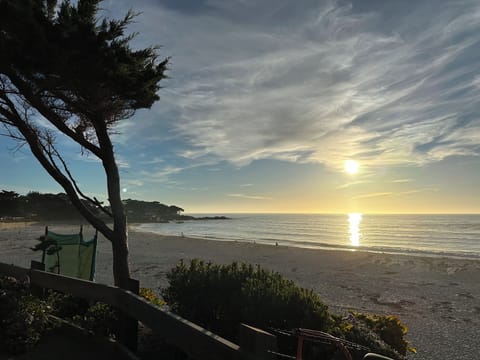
{"x":153,"y":161}
{"x":162,"y":175}
{"x":251,"y":197}
{"x":133,"y":182}
{"x":122,"y":162}
{"x":383,"y":194}
{"x":327,"y":83}
{"x":373,"y":195}
{"x":416,"y":191}
{"x":402,"y":180}
{"x":353,"y":183}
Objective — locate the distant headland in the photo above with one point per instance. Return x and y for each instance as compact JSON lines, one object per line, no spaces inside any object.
{"x":37,"y":206}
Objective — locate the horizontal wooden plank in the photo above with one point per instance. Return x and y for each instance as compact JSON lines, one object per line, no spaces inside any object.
{"x":257,"y":341}
{"x":191,"y":338}
{"x":77,"y":287}
{"x":14,"y":271}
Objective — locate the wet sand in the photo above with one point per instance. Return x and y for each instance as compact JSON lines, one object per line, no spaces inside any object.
{"x":438,"y":298}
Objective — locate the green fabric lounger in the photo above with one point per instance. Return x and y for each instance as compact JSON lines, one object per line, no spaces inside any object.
{"x":72,"y":256}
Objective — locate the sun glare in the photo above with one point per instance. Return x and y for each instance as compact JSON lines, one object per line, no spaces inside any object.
{"x":351,"y":167}
{"x":354,"y":220}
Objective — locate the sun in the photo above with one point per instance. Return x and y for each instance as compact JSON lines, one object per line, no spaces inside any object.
{"x":351,"y":167}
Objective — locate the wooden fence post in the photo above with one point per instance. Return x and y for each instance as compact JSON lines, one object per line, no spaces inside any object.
{"x":257,"y":342}
{"x":127,"y":330}
{"x":34,"y":289}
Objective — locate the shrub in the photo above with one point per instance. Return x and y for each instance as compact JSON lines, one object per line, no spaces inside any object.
{"x":220,"y":297}
{"x":367,"y":329}
{"x":98,"y":317}
{"x":23,"y":318}
{"x":65,"y":306}
{"x":151,"y":297}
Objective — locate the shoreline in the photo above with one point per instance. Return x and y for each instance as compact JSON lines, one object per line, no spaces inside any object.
{"x":321,"y":246}
{"x":438,"y":298}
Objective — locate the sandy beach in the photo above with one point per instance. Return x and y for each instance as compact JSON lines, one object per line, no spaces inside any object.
{"x":438,"y":298}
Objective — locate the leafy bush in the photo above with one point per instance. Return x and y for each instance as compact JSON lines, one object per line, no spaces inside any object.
{"x":23,"y":318}
{"x":382,"y":333}
{"x":65,"y":306}
{"x":98,"y":317}
{"x":150,"y":296}
{"x":220,"y":297}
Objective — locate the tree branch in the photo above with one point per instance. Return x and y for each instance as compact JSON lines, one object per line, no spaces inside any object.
{"x":38,"y":149}
{"x":93,"y":201}
{"x":49,"y":114}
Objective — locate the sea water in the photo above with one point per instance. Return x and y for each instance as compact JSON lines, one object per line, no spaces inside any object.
{"x":433,"y":235}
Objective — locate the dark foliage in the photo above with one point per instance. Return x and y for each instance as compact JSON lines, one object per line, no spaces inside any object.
{"x":382,"y":333}
{"x":220,"y":297}
{"x":99,"y":318}
{"x":151,"y":211}
{"x":38,"y":206}
{"x":78,"y":73}
{"x":74,"y":59}
{"x":23,"y":318}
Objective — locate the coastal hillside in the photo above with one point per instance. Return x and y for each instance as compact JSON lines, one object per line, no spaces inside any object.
{"x":38,"y":206}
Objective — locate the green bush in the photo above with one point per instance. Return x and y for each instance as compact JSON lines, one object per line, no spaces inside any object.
{"x":220,"y":297}
{"x":151,"y":297}
{"x":97,"y":317}
{"x":65,"y":306}
{"x":382,"y":333}
{"x":23,"y":318}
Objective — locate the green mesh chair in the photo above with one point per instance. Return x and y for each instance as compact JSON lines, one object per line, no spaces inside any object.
{"x":70,"y":255}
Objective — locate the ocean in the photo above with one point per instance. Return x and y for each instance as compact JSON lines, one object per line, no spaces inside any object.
{"x":425,"y":235}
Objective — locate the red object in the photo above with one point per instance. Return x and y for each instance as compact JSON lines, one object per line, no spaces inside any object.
{"x":300,"y":348}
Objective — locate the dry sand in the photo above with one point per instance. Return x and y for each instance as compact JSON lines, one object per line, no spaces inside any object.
{"x":438,"y":298}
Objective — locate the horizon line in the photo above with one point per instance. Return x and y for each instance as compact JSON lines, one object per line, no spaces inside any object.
{"x":330,"y":213}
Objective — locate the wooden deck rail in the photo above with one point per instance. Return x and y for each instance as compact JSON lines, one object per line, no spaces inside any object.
{"x":194,"y":340}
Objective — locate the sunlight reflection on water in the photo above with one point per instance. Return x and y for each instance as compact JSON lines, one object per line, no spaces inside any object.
{"x":354,"y":220}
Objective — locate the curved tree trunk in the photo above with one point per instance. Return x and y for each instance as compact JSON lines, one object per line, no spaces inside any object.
{"x":81,"y":97}
{"x":121,"y":267}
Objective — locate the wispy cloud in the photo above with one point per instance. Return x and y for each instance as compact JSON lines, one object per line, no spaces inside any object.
{"x":161,"y":175}
{"x":373,"y":195}
{"x":384,"y":194}
{"x":353,"y":183}
{"x":122,"y":162}
{"x":133,"y":182}
{"x":327,"y":83}
{"x":153,"y":161}
{"x":251,"y":197}
{"x":402,"y":180}
{"x":416,"y":191}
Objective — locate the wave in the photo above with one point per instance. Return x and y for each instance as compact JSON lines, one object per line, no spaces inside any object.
{"x":425,"y":235}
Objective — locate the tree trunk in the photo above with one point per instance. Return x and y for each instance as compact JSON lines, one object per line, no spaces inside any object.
{"x":121,"y":267}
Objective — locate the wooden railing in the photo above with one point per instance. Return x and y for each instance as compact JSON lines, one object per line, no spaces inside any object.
{"x":190,"y":338}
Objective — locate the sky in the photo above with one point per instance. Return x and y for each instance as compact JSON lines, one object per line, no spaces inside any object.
{"x":266,"y":100}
